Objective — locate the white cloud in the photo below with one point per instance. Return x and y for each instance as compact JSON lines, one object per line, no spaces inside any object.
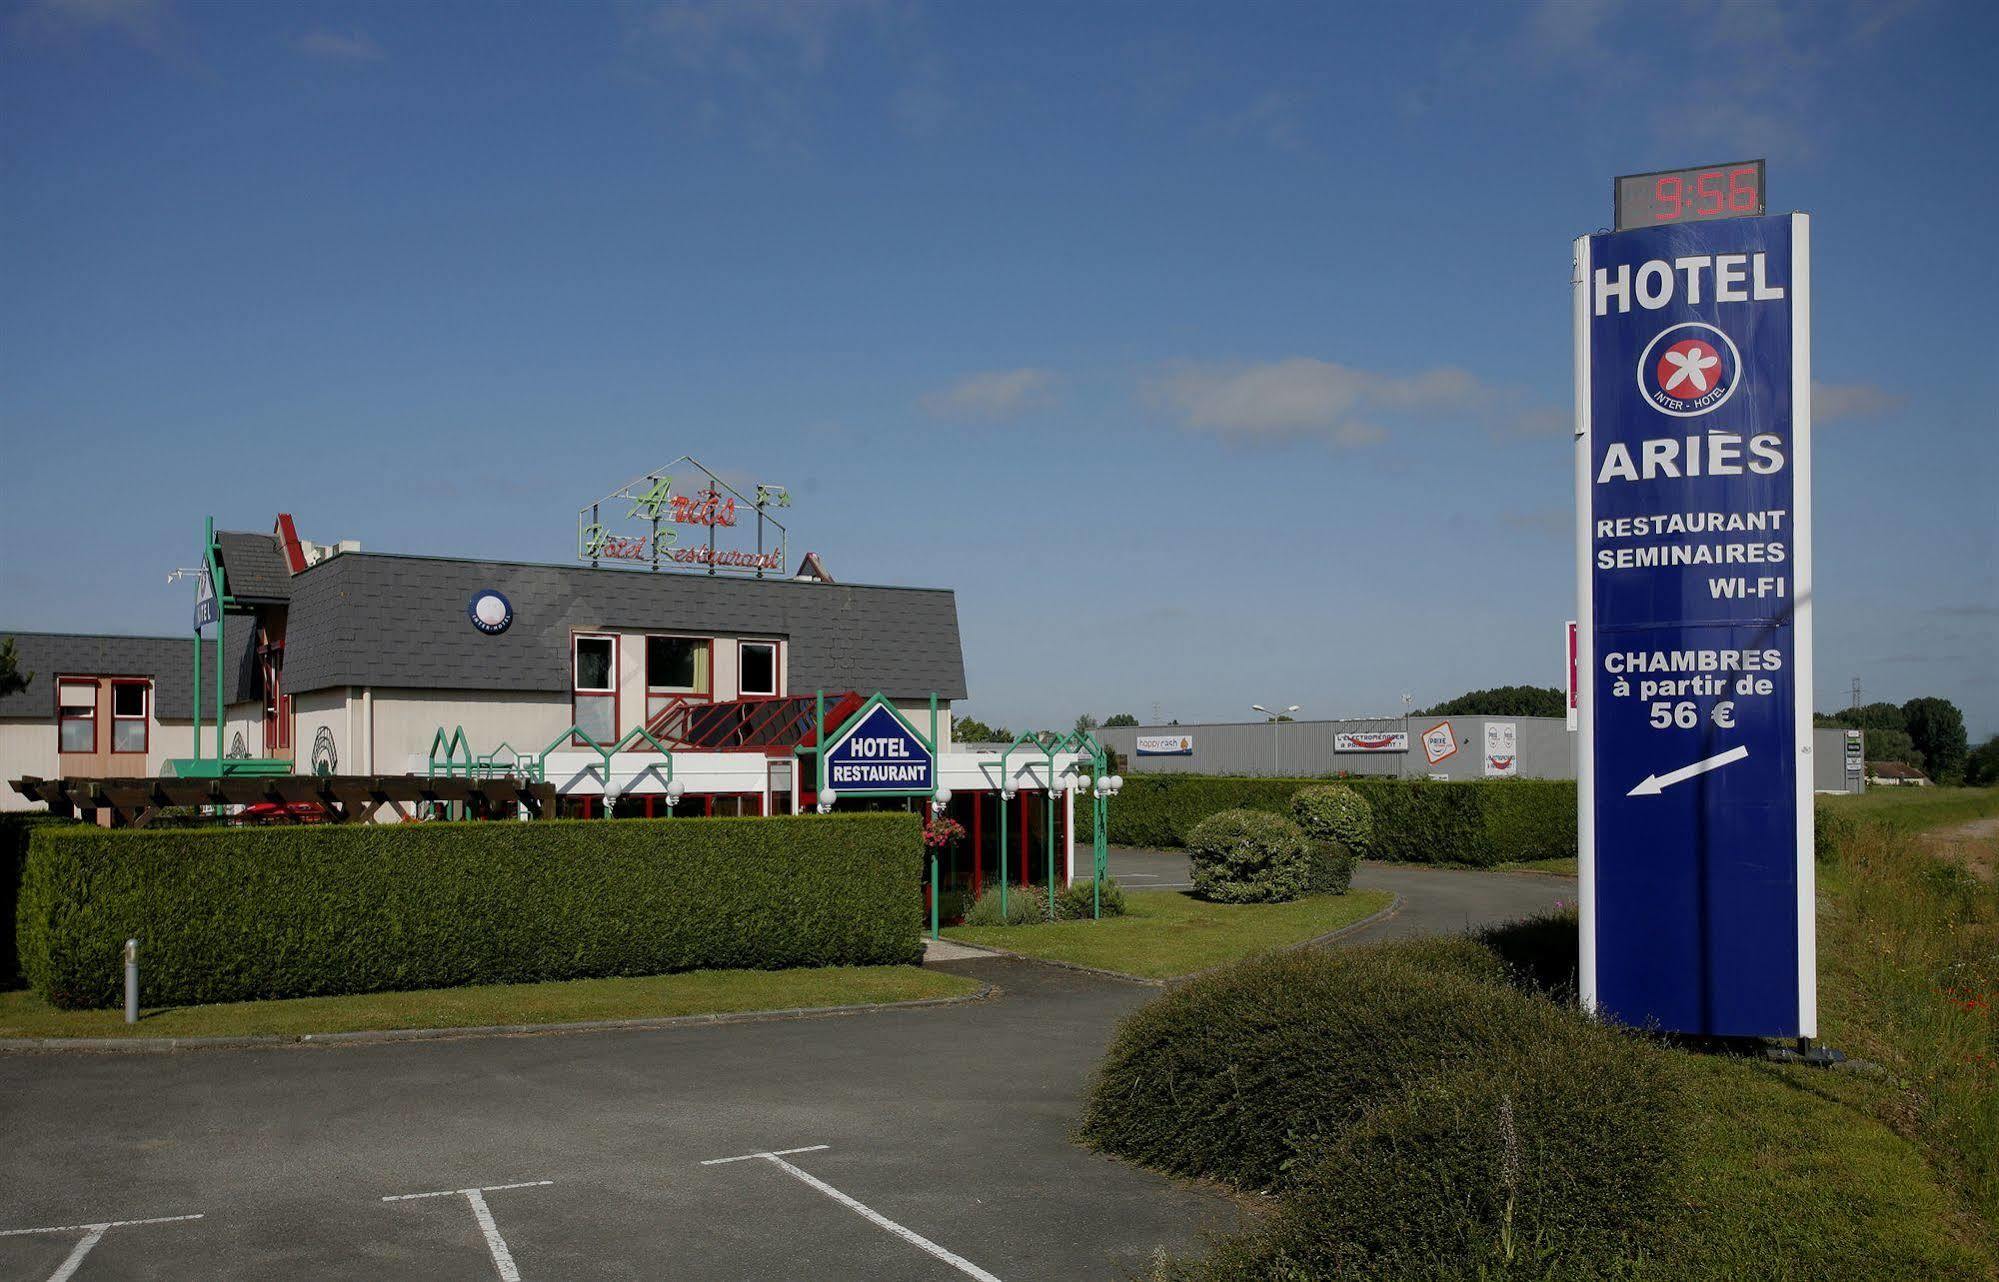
{"x":353,"y":46}
{"x":1303,"y":397}
{"x":730,"y":32}
{"x":138,"y":20}
{"x":1834,"y":401}
{"x":992,"y":395}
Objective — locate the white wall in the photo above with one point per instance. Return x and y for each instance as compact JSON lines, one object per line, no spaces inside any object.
{"x":406,"y":721}
{"x":29,"y":748}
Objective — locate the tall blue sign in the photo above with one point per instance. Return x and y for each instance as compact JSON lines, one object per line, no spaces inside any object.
{"x":1693,"y":540}
{"x":878,"y":755}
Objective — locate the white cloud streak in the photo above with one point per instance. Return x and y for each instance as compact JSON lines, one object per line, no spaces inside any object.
{"x":354,"y":46}
{"x":992,"y":395}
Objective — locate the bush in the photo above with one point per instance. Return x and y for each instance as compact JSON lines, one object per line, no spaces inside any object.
{"x":1239,"y":1073}
{"x":1475,"y":821}
{"x":1330,"y":866}
{"x":252,"y":913}
{"x":1247,"y":857}
{"x":1077,"y":902}
{"x":15,"y":829}
{"x":1335,"y":812}
{"x":1831,"y":830}
{"x":1025,"y":905}
{"x":1552,"y":1159}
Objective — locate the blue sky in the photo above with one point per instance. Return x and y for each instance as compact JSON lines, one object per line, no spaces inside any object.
{"x":1214,"y":354}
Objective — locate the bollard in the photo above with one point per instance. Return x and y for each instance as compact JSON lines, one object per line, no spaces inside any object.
{"x":131,"y":981}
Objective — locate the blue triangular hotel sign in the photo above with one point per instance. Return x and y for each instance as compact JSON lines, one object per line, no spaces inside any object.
{"x":879,"y":754}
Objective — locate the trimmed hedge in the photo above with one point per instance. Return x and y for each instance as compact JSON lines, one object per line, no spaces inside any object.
{"x":15,"y":829}
{"x":1480,"y":822}
{"x":1248,"y":857}
{"x":1238,"y":1074}
{"x":254,"y":913}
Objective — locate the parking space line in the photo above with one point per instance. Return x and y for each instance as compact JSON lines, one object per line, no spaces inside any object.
{"x":503,"y":1259}
{"x":92,"y":1235}
{"x":872,"y":1216}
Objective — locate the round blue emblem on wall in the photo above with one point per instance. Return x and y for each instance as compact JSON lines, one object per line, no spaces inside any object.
{"x":490,"y":612}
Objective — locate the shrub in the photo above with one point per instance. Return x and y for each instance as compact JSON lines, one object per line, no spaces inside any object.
{"x":15,"y":829}
{"x":1247,"y":857}
{"x":1237,"y":1074}
{"x":1025,"y":905}
{"x":1475,"y":821}
{"x":1831,"y":830}
{"x":1552,"y":1159}
{"x":1330,"y":868}
{"x":1076,"y":901}
{"x":1539,"y":952}
{"x":249,"y":913}
{"x":1335,"y":812}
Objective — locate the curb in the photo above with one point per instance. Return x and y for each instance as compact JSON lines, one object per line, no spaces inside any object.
{"x":1376,"y":917}
{"x":267,"y":1041}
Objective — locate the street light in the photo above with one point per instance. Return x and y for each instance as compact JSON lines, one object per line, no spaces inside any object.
{"x":1275,"y":717}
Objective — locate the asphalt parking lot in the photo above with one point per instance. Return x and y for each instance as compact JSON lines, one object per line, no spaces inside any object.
{"x":915,"y":1144}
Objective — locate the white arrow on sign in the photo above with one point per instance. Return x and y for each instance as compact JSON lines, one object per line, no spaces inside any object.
{"x":1653,"y":785}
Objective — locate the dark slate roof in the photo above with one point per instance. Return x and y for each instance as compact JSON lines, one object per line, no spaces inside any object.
{"x":377,"y":619}
{"x":169,"y":661}
{"x":253,"y":567}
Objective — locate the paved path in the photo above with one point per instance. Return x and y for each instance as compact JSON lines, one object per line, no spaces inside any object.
{"x":1435,"y":901}
{"x":945,"y":1135}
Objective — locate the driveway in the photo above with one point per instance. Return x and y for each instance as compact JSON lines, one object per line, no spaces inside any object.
{"x":923,"y":1144}
{"x":1435,"y":901}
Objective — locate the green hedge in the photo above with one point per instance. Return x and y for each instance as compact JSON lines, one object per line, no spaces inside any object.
{"x":252,"y":913}
{"x":1477,"y":821}
{"x":15,"y":829}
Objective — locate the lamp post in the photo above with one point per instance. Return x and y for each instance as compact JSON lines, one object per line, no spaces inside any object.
{"x":1275,"y":717}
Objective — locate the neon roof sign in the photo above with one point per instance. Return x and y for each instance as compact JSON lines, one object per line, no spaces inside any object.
{"x":643,"y":522}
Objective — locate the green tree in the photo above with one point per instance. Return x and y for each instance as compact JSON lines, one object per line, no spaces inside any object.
{"x":969,"y":729}
{"x":1981,"y":767}
{"x":1886,"y":728}
{"x":1085,"y":722}
{"x":12,"y":679}
{"x":1937,"y":728}
{"x":1504,"y":701}
{"x":1118,"y":719}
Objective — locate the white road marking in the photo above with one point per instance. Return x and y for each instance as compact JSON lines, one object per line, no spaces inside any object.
{"x":867,"y":1213}
{"x":503,"y":1259}
{"x":92,"y":1235}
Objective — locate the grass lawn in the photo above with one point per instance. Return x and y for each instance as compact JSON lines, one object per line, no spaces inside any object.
{"x":703,"y":992}
{"x":1915,"y":809}
{"x":1565,"y":867}
{"x":1794,"y":1174}
{"x":1167,"y":933}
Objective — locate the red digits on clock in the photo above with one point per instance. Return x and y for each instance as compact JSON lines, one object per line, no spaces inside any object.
{"x":1742,"y":190}
{"x":1710,"y":198}
{"x":1661,"y":193}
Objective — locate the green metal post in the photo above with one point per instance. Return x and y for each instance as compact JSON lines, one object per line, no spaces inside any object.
{"x":220,"y":670}
{"x":195,"y":751}
{"x":1096,"y":864}
{"x":933,"y":896}
{"x":1052,"y":794}
{"x":1002,"y":810}
{"x":819,"y":748}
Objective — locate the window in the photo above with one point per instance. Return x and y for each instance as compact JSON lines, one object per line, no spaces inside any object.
{"x":757,"y":666}
{"x":76,"y":715}
{"x":595,"y":687}
{"x":128,"y":715}
{"x":675,"y":666}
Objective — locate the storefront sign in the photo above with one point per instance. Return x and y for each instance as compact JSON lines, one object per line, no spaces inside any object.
{"x":1364,"y":741}
{"x":1166,"y":745}
{"x":878,"y":754}
{"x":684,"y":515}
{"x":1693,"y":446}
{"x":1502,"y":749}
{"x":205,"y":609}
{"x":1854,"y":762}
{"x":1440,"y":742}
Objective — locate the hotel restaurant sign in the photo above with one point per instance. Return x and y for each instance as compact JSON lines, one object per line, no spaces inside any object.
{"x":685,"y":517}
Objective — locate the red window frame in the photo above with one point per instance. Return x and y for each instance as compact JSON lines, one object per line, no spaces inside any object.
{"x":145,"y":717}
{"x":616,"y":695}
{"x":61,"y":716}
{"x":776,"y":670}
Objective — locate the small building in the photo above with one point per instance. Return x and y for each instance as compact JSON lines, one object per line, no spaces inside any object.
{"x":1896,"y":774}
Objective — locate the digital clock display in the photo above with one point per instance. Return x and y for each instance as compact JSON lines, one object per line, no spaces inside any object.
{"x":1689,"y":195}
